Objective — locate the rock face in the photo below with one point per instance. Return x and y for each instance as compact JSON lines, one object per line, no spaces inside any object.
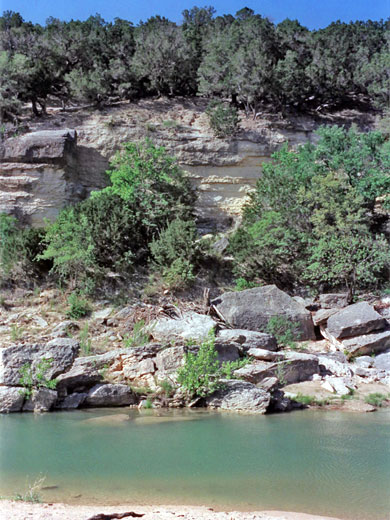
{"x":110,"y":395}
{"x":61,"y":352}
{"x":191,"y":326}
{"x":240,"y":396}
{"x":355,"y":320}
{"x":253,"y":308}
{"x":11,"y":399}
{"x":42,"y":400}
{"x":247,"y":339}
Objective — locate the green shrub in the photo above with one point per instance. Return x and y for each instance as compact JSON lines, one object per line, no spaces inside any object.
{"x":223,"y":118}
{"x":139,"y":337}
{"x":310,"y":400}
{"x":179,"y":275}
{"x":242,"y":284}
{"x":284,"y":330}
{"x":85,"y":341}
{"x":200,"y":374}
{"x":79,"y":307}
{"x":167,"y":388}
{"x":34,"y":377}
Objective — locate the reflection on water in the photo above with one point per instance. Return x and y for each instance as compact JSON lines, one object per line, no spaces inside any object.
{"x":316,"y":462}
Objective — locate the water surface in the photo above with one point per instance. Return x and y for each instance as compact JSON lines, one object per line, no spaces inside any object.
{"x":329,"y":463}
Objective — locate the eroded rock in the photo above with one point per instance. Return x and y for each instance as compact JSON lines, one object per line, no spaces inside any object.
{"x":240,"y":396}
{"x":110,"y":395}
{"x":42,"y":400}
{"x":11,"y":399}
{"x":247,"y":339}
{"x":355,"y":320}
{"x":192,"y":326}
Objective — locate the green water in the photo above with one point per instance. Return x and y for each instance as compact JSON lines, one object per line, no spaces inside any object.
{"x":328,"y":463}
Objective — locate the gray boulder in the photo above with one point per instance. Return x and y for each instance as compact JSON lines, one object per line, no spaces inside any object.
{"x":61,"y":352}
{"x":382,"y":362}
{"x":192,"y":326}
{"x":321,"y":317}
{"x":72,"y":401}
{"x":11,"y":399}
{"x":330,"y":300}
{"x":227,"y":352}
{"x":247,"y":339}
{"x":62,"y":329}
{"x":296,"y":367}
{"x":42,"y":400}
{"x":253,"y":308}
{"x":110,"y":395}
{"x":354,"y":320}
{"x":265,"y":355}
{"x":366,"y":344}
{"x":239,"y":396}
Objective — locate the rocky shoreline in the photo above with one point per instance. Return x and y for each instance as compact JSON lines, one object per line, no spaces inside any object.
{"x":348,"y":369}
{"x":11,"y":510}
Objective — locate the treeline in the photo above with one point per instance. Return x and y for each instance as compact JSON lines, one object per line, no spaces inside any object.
{"x":245,"y":58}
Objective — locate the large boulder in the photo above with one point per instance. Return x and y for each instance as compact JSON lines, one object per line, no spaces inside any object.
{"x":355,"y":320}
{"x":360,"y":345}
{"x":110,"y":395}
{"x":72,"y":401}
{"x":11,"y":399}
{"x":191,"y":326}
{"x":60,"y":352}
{"x":239,"y":396}
{"x":295,"y":367}
{"x":247,"y":339}
{"x":252,"y":309}
{"x":382,"y":362}
{"x":41,"y":400}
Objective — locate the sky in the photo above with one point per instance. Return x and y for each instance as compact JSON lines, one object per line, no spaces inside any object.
{"x":313,"y":14}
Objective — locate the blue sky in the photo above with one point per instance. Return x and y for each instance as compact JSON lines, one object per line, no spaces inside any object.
{"x":311,"y":13}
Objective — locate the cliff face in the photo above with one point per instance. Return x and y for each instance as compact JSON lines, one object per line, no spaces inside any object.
{"x":48,"y":168}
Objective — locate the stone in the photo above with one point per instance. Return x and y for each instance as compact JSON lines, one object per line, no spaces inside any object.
{"x":339,"y":385}
{"x":330,"y":364}
{"x":192,"y":326}
{"x":138,"y":365}
{"x":247,"y":339}
{"x":253,"y":308}
{"x":40,"y":321}
{"x":265,"y":355}
{"x":72,"y":401}
{"x":61,"y":352}
{"x":42,"y":400}
{"x":168,"y":360}
{"x":382,"y":362}
{"x":239,"y":396}
{"x":227,"y":352}
{"x":102,"y":315}
{"x":330,"y":300}
{"x":63,"y":329}
{"x":364,"y":361}
{"x":268,"y":384}
{"x":11,"y":399}
{"x":355,"y":320}
{"x":294,"y":368}
{"x":320,"y":318}
{"x":110,"y":395}
{"x":366,"y":344}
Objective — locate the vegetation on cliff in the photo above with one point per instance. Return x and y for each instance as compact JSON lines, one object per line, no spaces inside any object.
{"x":245,"y":58}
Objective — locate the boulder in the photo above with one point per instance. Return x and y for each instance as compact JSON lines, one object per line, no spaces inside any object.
{"x":294,"y":368}
{"x":354,"y":320}
{"x":42,"y":400}
{"x":61,"y":352}
{"x":72,"y":401}
{"x":268,"y":384}
{"x":227,"y":352}
{"x":330,"y":300}
{"x":247,"y":339}
{"x":253,"y":308}
{"x":365,"y":344}
{"x":364,"y":361}
{"x":382,"y":362}
{"x":11,"y":399}
{"x":339,"y":385}
{"x":62,"y":329}
{"x":265,"y":355}
{"x":321,"y":317}
{"x":192,"y":326}
{"x":168,"y":360}
{"x":239,"y":396}
{"x":334,"y":364}
{"x":110,"y":395}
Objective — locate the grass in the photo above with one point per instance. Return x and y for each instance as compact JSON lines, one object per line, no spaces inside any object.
{"x":16,"y":332}
{"x":32,"y":494}
{"x":139,"y":336}
{"x":85,"y":341}
{"x":376,"y":399}
{"x":310,"y":400}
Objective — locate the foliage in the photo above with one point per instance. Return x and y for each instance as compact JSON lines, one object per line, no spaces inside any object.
{"x":284,"y":330}
{"x":312,"y":221}
{"x":376,"y":399}
{"x":85,"y":341}
{"x":16,"y":332}
{"x":309,"y":400}
{"x":223,"y":119}
{"x":200,"y":374}
{"x":179,"y":275}
{"x":139,"y":337}
{"x":33,"y":377}
{"x":242,"y":284}
{"x":79,"y":307}
{"x":32,"y":495}
{"x":167,"y":388}
{"x":228,"y":367}
{"x":148,"y":190}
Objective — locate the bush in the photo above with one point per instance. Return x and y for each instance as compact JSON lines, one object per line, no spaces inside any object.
{"x":284,"y":330}
{"x":113,"y":229}
{"x":312,"y":219}
{"x":376,"y":399}
{"x":79,"y":307}
{"x":223,"y":118}
{"x":33,"y":378}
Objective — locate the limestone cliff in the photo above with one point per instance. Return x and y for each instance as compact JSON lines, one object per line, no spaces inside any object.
{"x":48,"y":168}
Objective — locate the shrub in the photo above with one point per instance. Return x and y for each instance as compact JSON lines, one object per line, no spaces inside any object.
{"x":284,"y":330}
{"x":223,"y":118}
{"x":34,"y":377}
{"x":139,"y":337}
{"x":242,"y":284}
{"x":376,"y":399}
{"x":79,"y":307}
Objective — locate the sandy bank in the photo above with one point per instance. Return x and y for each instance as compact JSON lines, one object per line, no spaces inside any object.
{"x":10,"y":510}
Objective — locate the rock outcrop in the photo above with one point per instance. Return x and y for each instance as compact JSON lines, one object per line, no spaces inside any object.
{"x":239,"y":396}
{"x":252,"y":309}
